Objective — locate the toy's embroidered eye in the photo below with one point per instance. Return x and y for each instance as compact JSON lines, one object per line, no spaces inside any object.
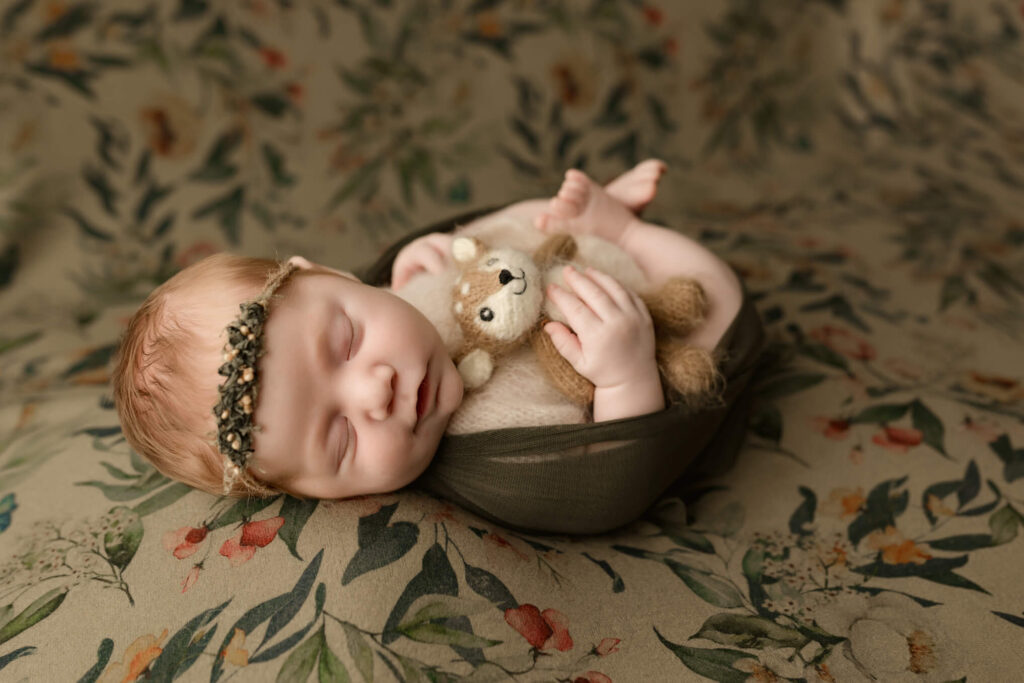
{"x":492,"y":261}
{"x":486,"y":314}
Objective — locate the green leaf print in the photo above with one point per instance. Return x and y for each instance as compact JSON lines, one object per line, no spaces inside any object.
{"x":435,"y":578}
{"x":749,"y":631}
{"x":331,"y":668}
{"x":1013,"y":458}
{"x":123,"y":541}
{"x":299,"y":663}
{"x":930,"y":426}
{"x":881,"y":509}
{"x":228,"y":211}
{"x":216,"y":167}
{"x":380,"y":543}
{"x":278,"y":611}
{"x":714,"y":664}
{"x":1004,"y":525}
{"x":41,"y":607}
{"x":706,"y":585}
{"x":486,"y":584}
{"x":185,"y":646}
{"x":803,"y":516}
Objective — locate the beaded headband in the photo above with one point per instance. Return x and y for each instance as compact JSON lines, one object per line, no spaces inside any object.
{"x":234,"y":411}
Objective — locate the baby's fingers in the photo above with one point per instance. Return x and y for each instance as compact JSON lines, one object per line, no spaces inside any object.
{"x":591,"y":292}
{"x":613,"y":289}
{"x":578,"y":314}
{"x":566,"y":343}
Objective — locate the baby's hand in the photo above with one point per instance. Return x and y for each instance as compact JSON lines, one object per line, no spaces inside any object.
{"x":432,"y":253}
{"x":613,"y":342}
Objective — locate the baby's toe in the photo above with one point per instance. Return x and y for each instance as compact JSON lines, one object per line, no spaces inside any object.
{"x":565,"y":207}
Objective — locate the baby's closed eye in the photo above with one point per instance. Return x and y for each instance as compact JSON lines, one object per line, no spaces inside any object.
{"x":342,"y":337}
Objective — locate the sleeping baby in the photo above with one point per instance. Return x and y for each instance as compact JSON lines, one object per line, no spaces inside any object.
{"x":242,"y":376}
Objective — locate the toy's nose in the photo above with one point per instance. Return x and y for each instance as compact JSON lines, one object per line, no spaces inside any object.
{"x":504,"y":277}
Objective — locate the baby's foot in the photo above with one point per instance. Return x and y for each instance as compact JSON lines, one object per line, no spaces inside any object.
{"x":584,"y":207}
{"x":636,"y":187}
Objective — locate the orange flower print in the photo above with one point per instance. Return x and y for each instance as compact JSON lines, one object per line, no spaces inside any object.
{"x":185,"y":541}
{"x":296,"y":92}
{"x":999,"y":388}
{"x":905,"y":368}
{"x":844,"y":342}
{"x":898,"y":439}
{"x":895,"y":548}
{"x":443,"y":513}
{"x":501,"y":543}
{"x":833,"y":428}
{"x":240,"y":548}
{"x":821,"y":673}
{"x":136,"y":659}
{"x":543,"y":630}
{"x":171,"y":126}
{"x":937,"y":507}
{"x":592,"y":677}
{"x":607,"y":646}
{"x":64,"y":59}
{"x":653,"y":15}
{"x":574,"y":80}
{"x":488,"y":25}
{"x":843,"y":503}
{"x":54,"y":11}
{"x":233,"y":651}
{"x":275,"y":59}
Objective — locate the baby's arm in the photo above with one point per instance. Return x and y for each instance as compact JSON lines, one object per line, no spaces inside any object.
{"x":432,"y":253}
{"x":613,"y":343}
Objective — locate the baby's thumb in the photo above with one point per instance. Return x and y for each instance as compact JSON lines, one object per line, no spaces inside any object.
{"x":566,"y":343}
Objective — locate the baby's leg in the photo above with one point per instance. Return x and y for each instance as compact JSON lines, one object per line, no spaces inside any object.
{"x":635,"y":189}
{"x":583,"y":206}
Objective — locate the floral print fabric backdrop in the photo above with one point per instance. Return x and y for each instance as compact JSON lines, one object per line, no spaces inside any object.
{"x":859,"y":163}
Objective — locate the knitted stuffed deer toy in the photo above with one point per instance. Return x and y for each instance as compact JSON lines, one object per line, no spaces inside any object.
{"x":498,"y":301}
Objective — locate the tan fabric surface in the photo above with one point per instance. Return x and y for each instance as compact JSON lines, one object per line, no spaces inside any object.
{"x":857,"y":163}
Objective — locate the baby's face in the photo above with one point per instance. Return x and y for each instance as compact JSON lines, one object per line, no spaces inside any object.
{"x":356,"y":389}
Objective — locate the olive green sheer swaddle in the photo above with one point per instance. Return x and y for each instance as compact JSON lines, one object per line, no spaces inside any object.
{"x":591,"y":477}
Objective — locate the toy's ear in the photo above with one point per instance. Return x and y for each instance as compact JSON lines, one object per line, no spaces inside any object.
{"x":466,"y":249}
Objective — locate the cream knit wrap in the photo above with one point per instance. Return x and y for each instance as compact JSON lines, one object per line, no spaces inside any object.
{"x":518,"y":393}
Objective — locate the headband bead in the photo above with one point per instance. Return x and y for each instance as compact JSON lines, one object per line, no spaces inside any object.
{"x":240,"y":390}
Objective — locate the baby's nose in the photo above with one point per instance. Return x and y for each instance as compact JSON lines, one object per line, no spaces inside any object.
{"x":380,"y":392}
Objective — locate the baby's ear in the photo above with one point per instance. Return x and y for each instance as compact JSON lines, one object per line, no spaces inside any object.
{"x":301,"y":262}
{"x":309,"y":265}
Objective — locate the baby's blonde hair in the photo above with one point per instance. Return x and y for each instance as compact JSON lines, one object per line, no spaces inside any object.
{"x":163,"y":392}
